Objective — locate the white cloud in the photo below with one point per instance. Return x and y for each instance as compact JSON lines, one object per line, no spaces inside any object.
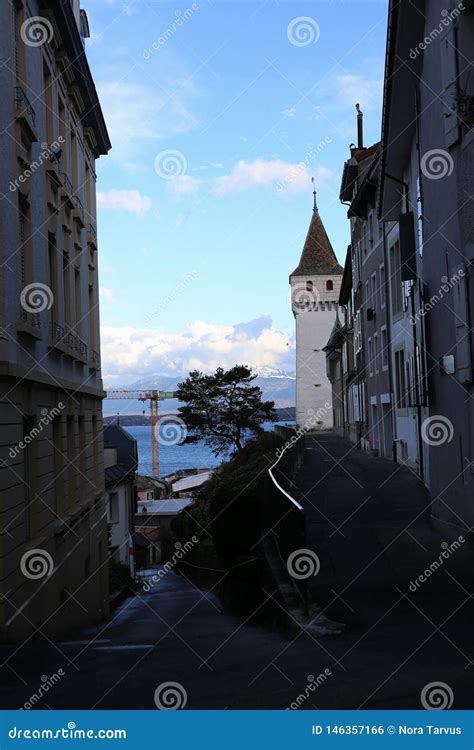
{"x":132,"y":353}
{"x":291,"y":112}
{"x":124,"y":200}
{"x":107,"y":294}
{"x":246,"y":175}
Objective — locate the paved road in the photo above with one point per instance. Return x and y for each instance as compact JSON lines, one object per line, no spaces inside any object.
{"x":395,"y":642}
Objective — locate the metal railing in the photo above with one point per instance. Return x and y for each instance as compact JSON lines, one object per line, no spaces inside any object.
{"x":283,"y":517}
{"x":21,"y":100}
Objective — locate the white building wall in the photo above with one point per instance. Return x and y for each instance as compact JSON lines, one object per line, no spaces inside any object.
{"x":314,"y":324}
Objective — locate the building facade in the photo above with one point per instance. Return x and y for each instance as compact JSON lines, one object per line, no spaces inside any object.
{"x":120,"y":465}
{"x":426,"y":191}
{"x":315,"y":284}
{"x":53,"y":546}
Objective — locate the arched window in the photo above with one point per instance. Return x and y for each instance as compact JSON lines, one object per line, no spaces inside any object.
{"x":329,"y":285}
{"x":309,"y":286}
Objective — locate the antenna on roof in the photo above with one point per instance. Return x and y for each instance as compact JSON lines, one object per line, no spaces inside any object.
{"x":315,"y":208}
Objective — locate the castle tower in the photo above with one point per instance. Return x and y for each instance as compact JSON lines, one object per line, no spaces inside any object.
{"x":315,"y":285}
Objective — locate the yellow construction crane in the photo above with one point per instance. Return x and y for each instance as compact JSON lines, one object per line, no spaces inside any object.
{"x":153,"y":396}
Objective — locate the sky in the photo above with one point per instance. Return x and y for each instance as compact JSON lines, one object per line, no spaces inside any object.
{"x":219,"y":113}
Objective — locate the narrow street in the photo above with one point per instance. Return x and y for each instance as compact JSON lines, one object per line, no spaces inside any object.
{"x":368,"y":520}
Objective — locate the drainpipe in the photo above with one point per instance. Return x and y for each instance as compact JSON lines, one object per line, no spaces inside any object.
{"x":388,"y":303}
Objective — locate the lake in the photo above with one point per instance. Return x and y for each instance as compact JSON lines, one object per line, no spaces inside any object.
{"x":174,"y":457}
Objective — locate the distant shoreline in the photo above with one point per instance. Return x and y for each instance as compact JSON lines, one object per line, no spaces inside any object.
{"x":136,"y":420}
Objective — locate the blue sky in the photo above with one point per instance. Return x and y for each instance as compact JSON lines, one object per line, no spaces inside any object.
{"x":217,"y":124}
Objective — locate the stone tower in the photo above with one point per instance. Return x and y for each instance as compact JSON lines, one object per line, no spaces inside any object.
{"x":315,"y":285}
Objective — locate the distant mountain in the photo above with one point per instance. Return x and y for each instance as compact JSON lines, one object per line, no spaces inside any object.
{"x":277,"y":385}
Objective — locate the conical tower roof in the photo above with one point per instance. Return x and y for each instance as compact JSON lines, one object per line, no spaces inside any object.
{"x":318,"y":257}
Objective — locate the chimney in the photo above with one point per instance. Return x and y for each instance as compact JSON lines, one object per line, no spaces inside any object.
{"x":360,"y":127}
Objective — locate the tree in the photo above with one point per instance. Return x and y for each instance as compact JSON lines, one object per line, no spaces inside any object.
{"x":223,"y":409}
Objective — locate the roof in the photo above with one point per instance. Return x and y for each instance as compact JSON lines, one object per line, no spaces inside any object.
{"x":318,"y":256}
{"x":355,"y":168}
{"x":116,"y":474}
{"x":170,"y":507}
{"x":149,"y":483}
{"x":188,"y":483}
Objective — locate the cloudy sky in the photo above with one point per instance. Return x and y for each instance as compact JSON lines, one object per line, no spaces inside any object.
{"x":219,"y":113}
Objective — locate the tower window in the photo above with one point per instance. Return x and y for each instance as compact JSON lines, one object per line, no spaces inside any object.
{"x":329,"y":285}
{"x":309,"y":286}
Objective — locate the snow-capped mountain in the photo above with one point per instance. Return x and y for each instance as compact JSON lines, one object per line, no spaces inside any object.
{"x":277,"y":385}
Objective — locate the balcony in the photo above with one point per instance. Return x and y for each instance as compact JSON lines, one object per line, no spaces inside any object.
{"x":29,"y":323}
{"x":78,"y":212}
{"x":83,"y":351}
{"x":67,"y":192}
{"x":25,"y":113}
{"x":91,"y":235}
{"x":94,"y":360}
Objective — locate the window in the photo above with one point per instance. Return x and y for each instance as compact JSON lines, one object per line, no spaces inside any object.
{"x":382,"y":286}
{"x":371,"y":361}
{"x":58,"y":465}
{"x":396,"y":279}
{"x":376,"y":351}
{"x":309,"y":286}
{"x":384,"y":349}
{"x":113,"y":508}
{"x":371,"y":229}
{"x":357,"y":333}
{"x":329,"y":285}
{"x":373,"y":299}
{"x":400,"y":381}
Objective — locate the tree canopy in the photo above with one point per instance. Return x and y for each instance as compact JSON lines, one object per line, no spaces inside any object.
{"x":223,"y":409}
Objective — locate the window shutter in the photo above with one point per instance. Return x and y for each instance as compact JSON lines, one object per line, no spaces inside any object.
{"x":449,"y":71}
{"x":461,"y":323}
{"x":406,"y":223}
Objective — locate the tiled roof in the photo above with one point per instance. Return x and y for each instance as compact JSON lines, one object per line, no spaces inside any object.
{"x":318,"y":256}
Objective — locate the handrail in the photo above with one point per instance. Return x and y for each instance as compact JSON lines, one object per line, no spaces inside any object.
{"x":291,"y":499}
